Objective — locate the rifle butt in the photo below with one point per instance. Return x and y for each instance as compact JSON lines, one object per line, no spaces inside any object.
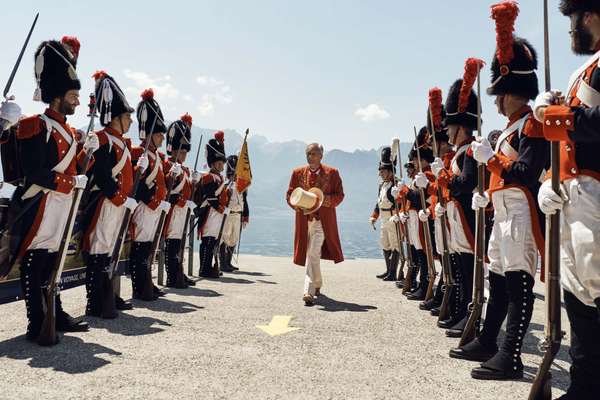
{"x":109,"y":307}
{"x":445,"y":307}
{"x":407,"y":280}
{"x":429,"y":294}
{"x":48,"y":335}
{"x":470,"y":331}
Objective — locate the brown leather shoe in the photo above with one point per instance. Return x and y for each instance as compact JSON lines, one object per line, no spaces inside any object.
{"x":308,"y":299}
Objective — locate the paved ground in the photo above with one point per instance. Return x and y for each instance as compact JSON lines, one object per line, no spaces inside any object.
{"x":363,"y":341}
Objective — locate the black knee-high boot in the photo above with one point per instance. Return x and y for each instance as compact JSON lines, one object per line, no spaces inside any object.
{"x":393,"y":270}
{"x":175,"y":277}
{"x":230,"y":251}
{"x":93,"y":284}
{"x":456,"y":311}
{"x":31,"y":286}
{"x":506,"y":363}
{"x":207,"y":247}
{"x":421,"y":292}
{"x":466,"y":288}
{"x":386,"y":258}
{"x":140,"y":251}
{"x":224,"y":258}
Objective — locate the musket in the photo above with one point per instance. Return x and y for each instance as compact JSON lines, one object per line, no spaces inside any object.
{"x":108,"y":300}
{"x":216,"y":249}
{"x":476,"y":306}
{"x":541,"y":388}
{"x":410,"y":271}
{"x":188,"y":222}
{"x":426,"y":230}
{"x":16,"y":66}
{"x":448,"y":285}
{"x":47,"y":336}
{"x":395,"y":155}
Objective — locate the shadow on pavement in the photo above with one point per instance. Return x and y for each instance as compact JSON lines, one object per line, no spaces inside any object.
{"x":328,"y":304}
{"x":267,"y":282}
{"x":250,"y":273}
{"x":72,"y":355}
{"x":227,"y":279}
{"x":194,"y":291}
{"x":129,"y":325}
{"x":164,"y":304}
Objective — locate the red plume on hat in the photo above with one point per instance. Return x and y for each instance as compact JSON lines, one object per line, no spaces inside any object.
{"x":187,"y":118}
{"x":73,"y":44}
{"x":220,"y":136}
{"x":147,"y":94}
{"x":99,"y":75}
{"x":472,"y":68}
{"x":435,"y":107}
{"x":505,"y":15}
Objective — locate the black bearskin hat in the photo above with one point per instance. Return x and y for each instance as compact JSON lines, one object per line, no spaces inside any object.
{"x":179,"y":135}
{"x":515,"y":60}
{"x":461,"y":102}
{"x":231,"y":165}
{"x":149,"y":111}
{"x":385,"y":159}
{"x":422,"y":141}
{"x":54,"y":71}
{"x":569,"y":7}
{"x":215,"y":148}
{"x":110,"y":99}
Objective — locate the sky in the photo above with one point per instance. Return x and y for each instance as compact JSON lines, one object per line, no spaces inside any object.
{"x":347,"y":73}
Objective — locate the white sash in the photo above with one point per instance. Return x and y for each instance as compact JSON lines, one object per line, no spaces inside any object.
{"x":454,"y":163}
{"x":502,"y":145}
{"x":179,"y":187}
{"x":576,"y":76}
{"x":121,"y":163}
{"x":150,"y":179}
{"x":588,"y":95}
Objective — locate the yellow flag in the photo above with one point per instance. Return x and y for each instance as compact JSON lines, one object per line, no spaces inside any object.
{"x":243,"y":171}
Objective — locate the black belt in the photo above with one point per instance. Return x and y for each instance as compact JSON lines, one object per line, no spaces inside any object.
{"x":235,"y":212}
{"x":386,"y":209}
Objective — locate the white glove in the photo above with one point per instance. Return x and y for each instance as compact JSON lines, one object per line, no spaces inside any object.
{"x":395,"y":219}
{"x":421,"y":180}
{"x":190,"y":204}
{"x":10,"y":113}
{"x":142,"y":163}
{"x":196,"y":176}
{"x":479,"y":201}
{"x":549,"y":201}
{"x":397,"y":189}
{"x":437,"y":166}
{"x":176,"y":170}
{"x":226,"y":211}
{"x":403,"y":217}
{"x":542,"y":101}
{"x":482,"y":150}
{"x":424,"y":215}
{"x":372,"y":221}
{"x":439,"y":210}
{"x":91,"y":144}
{"x":80,"y":181}
{"x":130,"y":203}
{"x":164,"y":206}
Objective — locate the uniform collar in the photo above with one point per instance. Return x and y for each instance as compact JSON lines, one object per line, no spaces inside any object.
{"x":520,"y":113}
{"x":58,"y":117}
{"x":468,"y":140}
{"x":113,"y":132}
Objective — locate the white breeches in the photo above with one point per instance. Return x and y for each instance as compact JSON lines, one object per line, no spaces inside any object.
{"x":316,"y":237}
{"x":413,"y":229}
{"x":54,"y":221}
{"x":458,"y":239}
{"x":512,"y":245}
{"x":145,"y":221}
{"x":104,"y":235}
{"x":176,"y":222}
{"x":213,"y":223}
{"x":231,"y":231}
{"x":389,"y":233}
{"x":580,"y":239}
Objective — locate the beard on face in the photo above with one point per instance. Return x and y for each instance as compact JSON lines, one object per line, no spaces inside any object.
{"x":66,"y":108}
{"x":581,"y":38}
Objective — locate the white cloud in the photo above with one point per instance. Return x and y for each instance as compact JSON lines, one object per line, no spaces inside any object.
{"x":218,"y":93}
{"x":372,"y":112}
{"x":162,"y":86}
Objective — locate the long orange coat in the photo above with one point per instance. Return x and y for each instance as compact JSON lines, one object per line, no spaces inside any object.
{"x":330,"y":183}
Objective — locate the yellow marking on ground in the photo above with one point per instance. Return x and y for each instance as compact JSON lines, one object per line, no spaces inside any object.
{"x":279,"y":325}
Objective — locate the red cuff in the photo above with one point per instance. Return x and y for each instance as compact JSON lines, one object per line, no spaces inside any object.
{"x":246,"y":219}
{"x":558,"y":120}
{"x":64,"y":183}
{"x":154,"y":203}
{"x":118,"y":198}
{"x":375,"y":215}
{"x":498,"y":164}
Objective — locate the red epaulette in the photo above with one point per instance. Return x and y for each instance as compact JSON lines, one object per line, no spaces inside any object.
{"x":162,"y":155}
{"x":533,"y":128}
{"x":207,"y":178}
{"x":136,"y":152}
{"x":102,"y":138}
{"x":127,"y":142}
{"x":29,"y":127}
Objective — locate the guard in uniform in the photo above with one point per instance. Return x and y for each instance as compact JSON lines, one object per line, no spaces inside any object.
{"x":179,"y":140}
{"x":386,"y":210}
{"x":516,"y":165}
{"x":151,"y":193}
{"x":111,"y":177}
{"x":460,"y":180}
{"x":238,"y":218}
{"x":399,"y":193}
{"x":48,"y":151}
{"x":575,"y":123}
{"x":213,"y":200}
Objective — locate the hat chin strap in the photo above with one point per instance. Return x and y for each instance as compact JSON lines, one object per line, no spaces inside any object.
{"x":511,"y":72}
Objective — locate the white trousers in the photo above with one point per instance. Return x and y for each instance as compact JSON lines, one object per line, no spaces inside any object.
{"x":104,"y":235}
{"x":458,"y":240}
{"x":146,"y":221}
{"x":580,"y":239}
{"x":213,"y":223}
{"x":388,"y":237}
{"x":439,"y":243}
{"x":231,"y":230}
{"x":413,"y":229}
{"x":176,"y":222}
{"x":313,"y":279}
{"x":54,"y":221}
{"x":512,"y":245}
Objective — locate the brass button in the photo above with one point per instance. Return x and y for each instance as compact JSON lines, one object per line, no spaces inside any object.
{"x":568,"y":147}
{"x":568,"y":122}
{"x":548,"y":122}
{"x":573,"y":170}
{"x":558,"y":122}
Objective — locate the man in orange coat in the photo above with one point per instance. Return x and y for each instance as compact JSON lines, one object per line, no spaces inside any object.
{"x":316,"y":234}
